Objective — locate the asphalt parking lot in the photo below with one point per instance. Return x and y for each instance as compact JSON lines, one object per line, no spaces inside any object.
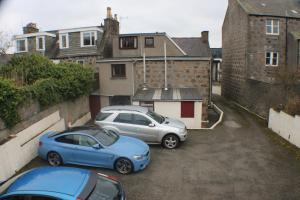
{"x":237,"y":160}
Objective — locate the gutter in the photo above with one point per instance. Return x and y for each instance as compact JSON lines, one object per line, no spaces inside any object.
{"x":156,"y":59}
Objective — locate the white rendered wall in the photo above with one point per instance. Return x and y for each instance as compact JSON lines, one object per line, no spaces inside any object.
{"x":173,"y":110}
{"x":286,"y":126}
{"x":19,"y":151}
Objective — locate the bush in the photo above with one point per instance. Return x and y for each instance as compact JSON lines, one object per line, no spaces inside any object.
{"x":11,"y":97}
{"x":47,"y":82}
{"x":293,"y":106}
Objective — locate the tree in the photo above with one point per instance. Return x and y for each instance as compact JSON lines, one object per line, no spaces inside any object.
{"x":5,"y":42}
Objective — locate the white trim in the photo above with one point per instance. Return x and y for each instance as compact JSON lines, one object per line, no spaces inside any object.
{"x":34,"y":35}
{"x":81,"y":38}
{"x":175,"y":44}
{"x":92,"y":28}
{"x":37,"y":43}
{"x":271,"y":58}
{"x":60,"y":40}
{"x":26,"y":45}
{"x":220,"y":118}
{"x":272,"y":26}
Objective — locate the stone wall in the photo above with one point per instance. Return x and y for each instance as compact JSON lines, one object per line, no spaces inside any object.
{"x":234,"y":52}
{"x":31,"y":112}
{"x":245,"y":77}
{"x":180,"y":74}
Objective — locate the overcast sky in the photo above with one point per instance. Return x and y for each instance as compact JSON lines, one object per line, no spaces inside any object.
{"x":179,"y":18}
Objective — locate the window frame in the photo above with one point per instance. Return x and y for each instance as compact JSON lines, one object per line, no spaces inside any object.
{"x":133,"y":119}
{"x":82,"y":38}
{"x":26,"y":45}
{"x":271,"y":59}
{"x":149,"y":46}
{"x":135,"y":42}
{"x":117,"y":76}
{"x":183,"y":112}
{"x":37,"y":43}
{"x":67,"y":40}
{"x":272,"y":26}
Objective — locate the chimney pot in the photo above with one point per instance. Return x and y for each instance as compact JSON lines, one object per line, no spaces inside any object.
{"x":204,"y":36}
{"x":30,"y":28}
{"x":109,"y":13}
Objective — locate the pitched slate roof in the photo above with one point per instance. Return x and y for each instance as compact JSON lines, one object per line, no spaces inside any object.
{"x":280,"y":8}
{"x":172,"y":94}
{"x":193,"y":46}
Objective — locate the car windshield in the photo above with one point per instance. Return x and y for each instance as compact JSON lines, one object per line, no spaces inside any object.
{"x":105,"y":189}
{"x":160,"y":119}
{"x":105,"y":137}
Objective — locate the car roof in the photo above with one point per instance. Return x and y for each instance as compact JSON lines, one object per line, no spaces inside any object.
{"x":125,"y":108}
{"x":76,"y":129}
{"x":61,"y":180}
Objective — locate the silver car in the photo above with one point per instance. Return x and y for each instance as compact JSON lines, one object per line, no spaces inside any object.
{"x":139,"y":122}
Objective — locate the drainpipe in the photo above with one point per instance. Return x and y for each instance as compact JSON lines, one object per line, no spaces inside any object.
{"x":144,"y":65}
{"x":165,"y":51}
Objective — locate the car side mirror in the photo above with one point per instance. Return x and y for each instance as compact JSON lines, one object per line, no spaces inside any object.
{"x":97,"y":146}
{"x":151,"y":125}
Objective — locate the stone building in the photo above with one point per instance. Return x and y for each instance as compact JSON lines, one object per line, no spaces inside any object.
{"x":139,"y":61}
{"x":260,"y":38}
{"x":83,"y":45}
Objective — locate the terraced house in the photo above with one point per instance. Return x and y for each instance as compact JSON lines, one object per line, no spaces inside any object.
{"x":83,"y":45}
{"x":260,"y":37}
{"x":168,"y":75}
{"x":174,"y":70}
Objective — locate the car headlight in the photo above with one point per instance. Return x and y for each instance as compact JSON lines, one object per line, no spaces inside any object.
{"x":138,"y":157}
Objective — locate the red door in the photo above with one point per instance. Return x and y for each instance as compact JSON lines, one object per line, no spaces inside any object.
{"x":95,"y":105}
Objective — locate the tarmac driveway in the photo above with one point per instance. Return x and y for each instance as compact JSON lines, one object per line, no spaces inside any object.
{"x":238,"y":160}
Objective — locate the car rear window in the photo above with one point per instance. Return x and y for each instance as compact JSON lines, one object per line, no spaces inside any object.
{"x":102,"y":116}
{"x":102,"y":189}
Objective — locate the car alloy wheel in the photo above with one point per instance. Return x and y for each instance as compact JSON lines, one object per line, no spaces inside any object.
{"x":170,"y":141}
{"x":124,"y":166}
{"x":54,"y":159}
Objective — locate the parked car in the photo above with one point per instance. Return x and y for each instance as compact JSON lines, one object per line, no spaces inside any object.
{"x":94,"y":146}
{"x":141,"y":123}
{"x":64,"y":183}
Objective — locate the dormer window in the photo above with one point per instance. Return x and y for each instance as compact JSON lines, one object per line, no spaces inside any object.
{"x":64,"y":41}
{"x":272,"y":27}
{"x":88,"y":38}
{"x":40,"y":43}
{"x":128,"y":42}
{"x":21,"y":45}
{"x":149,"y":42}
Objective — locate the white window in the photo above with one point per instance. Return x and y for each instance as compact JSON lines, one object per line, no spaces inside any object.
{"x":88,"y":38}
{"x":21,"y":45}
{"x":272,"y":27}
{"x":40,"y":43}
{"x":64,"y":41}
{"x":272,"y":58}
{"x":81,"y":62}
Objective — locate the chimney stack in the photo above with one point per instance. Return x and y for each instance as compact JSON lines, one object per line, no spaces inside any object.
{"x":30,"y":28}
{"x":204,"y":36}
{"x":109,"y":13}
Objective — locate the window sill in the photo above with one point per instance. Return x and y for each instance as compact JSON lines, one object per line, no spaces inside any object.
{"x":88,"y":46}
{"x":118,"y":78}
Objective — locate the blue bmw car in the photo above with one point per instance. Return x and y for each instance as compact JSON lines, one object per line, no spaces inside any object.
{"x":61,"y":183}
{"x":93,"y":146}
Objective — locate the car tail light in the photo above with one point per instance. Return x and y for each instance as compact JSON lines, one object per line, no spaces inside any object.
{"x":78,"y":198}
{"x":40,"y":143}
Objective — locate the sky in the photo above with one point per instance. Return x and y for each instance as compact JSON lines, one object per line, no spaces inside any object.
{"x":179,"y":18}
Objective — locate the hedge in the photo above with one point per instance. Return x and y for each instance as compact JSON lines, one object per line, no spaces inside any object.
{"x":45,"y":81}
